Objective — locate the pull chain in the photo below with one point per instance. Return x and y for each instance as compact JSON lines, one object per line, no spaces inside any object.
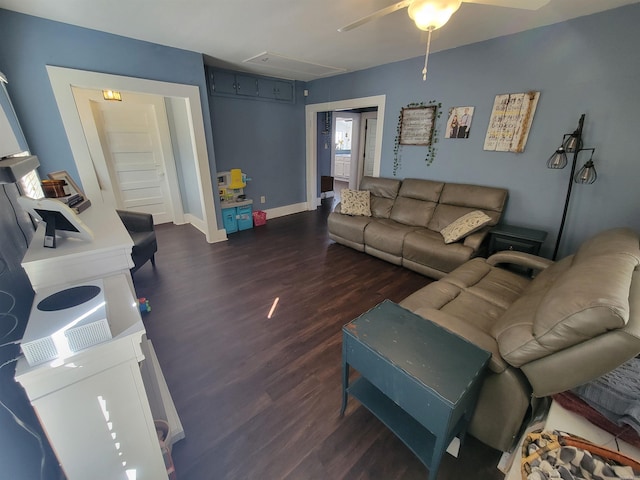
{"x":426,"y":57}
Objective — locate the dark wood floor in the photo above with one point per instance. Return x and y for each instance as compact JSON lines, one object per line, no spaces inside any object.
{"x":259,"y":398}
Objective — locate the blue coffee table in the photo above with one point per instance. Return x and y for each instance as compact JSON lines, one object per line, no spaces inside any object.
{"x":419,"y":379}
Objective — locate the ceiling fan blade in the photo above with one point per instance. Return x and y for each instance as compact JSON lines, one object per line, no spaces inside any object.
{"x":523,"y":4}
{"x":380,"y":13}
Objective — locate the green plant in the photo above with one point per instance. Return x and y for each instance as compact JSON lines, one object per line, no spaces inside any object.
{"x":435,"y":136}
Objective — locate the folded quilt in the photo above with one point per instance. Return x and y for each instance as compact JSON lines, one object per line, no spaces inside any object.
{"x":616,"y":395}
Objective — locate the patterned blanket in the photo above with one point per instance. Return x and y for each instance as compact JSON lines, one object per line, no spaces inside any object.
{"x":547,"y":456}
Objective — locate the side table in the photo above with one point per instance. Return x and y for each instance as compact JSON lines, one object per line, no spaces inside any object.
{"x":419,"y":379}
{"x":512,"y":237}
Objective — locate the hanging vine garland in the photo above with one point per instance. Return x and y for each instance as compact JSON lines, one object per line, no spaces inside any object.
{"x":427,"y":135}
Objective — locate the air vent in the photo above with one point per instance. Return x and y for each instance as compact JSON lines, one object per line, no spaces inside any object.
{"x":286,"y":64}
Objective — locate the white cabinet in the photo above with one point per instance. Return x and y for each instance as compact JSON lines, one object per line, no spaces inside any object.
{"x":98,"y":405}
{"x":342,"y":167}
{"x":75,"y":260}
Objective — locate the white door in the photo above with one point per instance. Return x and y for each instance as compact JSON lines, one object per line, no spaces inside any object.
{"x":368,"y":129}
{"x":345,"y":147}
{"x":131,"y":148}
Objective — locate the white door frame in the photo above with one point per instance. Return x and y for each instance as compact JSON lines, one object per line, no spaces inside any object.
{"x":62,"y":79}
{"x":362,"y":138}
{"x":90,"y":126}
{"x":354,"y":181}
{"x":311,"y":125}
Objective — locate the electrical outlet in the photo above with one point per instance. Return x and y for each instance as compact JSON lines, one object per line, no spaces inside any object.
{"x":263,"y":199}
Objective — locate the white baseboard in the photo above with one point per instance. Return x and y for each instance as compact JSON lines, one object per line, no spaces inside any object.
{"x":220,"y":236}
{"x":286,"y":210}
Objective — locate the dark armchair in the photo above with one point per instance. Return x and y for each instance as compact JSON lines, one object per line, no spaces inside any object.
{"x":140,"y":227}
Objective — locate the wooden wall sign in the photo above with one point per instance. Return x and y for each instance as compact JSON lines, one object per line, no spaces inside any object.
{"x":416,"y":125}
{"x":510,"y":121}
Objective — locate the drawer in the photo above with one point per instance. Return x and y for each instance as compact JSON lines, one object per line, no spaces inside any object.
{"x":506,"y":243}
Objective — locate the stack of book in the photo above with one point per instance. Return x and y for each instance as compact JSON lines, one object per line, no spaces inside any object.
{"x":76,"y":202}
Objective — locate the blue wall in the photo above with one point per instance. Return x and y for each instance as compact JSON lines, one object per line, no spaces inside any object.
{"x":29,"y":44}
{"x":266,"y":140}
{"x":587,"y":65}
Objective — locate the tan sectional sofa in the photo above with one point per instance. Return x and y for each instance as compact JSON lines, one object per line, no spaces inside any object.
{"x":578,"y":319}
{"x":406,"y":219}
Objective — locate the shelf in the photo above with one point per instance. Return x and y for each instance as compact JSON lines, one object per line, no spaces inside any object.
{"x":160,"y":401}
{"x":419,"y":440}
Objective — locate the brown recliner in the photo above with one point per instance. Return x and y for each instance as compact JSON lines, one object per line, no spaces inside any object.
{"x":578,"y":319}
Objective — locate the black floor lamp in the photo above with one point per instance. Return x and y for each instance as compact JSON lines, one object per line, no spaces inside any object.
{"x":572,"y":143}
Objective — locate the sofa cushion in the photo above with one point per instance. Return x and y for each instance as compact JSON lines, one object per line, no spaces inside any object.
{"x":383,"y":193}
{"x":387,"y":236}
{"x":381,"y":187}
{"x":496,"y":285}
{"x":572,"y":301}
{"x":482,"y":198}
{"x":465,"y":225}
{"x":426,"y":190}
{"x":355,"y":202}
{"x":410,"y":211}
{"x":345,"y":227}
{"x":616,"y":240}
{"x":458,"y":199}
{"x":470,"y":300}
{"x":425,"y":247}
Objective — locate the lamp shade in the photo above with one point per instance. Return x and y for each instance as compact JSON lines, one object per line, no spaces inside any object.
{"x":432,"y":14}
{"x":573,"y":142}
{"x":558,"y":159}
{"x":587,"y":174}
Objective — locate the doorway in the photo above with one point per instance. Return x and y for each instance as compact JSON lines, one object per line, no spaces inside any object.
{"x":186,"y":117}
{"x":344,"y":158}
{"x":130,"y":144}
{"x":311,"y":124}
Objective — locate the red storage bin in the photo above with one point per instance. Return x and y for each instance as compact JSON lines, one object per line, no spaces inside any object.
{"x":259,"y":218}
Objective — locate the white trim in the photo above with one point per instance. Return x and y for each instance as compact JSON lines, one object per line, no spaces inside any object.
{"x":311,"y":120}
{"x":91,"y":126}
{"x":286,"y":210}
{"x":63,"y":78}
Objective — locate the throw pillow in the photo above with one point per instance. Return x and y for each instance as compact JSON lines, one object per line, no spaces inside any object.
{"x":465,"y":225}
{"x":355,"y":202}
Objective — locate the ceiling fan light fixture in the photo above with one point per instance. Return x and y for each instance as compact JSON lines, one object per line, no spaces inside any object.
{"x":432,"y":14}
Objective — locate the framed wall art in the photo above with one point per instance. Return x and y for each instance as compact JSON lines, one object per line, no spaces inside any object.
{"x":459,"y":122}
{"x":510,"y":121}
{"x":416,"y":125}
{"x":72,"y":187}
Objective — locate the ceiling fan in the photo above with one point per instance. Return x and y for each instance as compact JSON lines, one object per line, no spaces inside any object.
{"x":430,"y":15}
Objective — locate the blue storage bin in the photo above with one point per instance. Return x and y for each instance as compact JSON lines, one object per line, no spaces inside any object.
{"x":229,"y":219}
{"x":244,"y":217}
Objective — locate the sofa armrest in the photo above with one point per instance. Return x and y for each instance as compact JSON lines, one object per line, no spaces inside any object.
{"x":519,"y":258}
{"x":468,"y":331}
{"x":338,"y":208}
{"x":474,"y":241}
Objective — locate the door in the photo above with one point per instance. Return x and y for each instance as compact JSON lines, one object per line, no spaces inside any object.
{"x":368,"y":129}
{"x":346,"y":128}
{"x":131,"y":149}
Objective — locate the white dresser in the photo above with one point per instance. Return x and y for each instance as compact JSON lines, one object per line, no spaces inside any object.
{"x":75,"y":260}
{"x":98,"y":405}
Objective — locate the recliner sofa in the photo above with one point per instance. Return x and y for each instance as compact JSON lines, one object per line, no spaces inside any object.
{"x":407,"y":217}
{"x":576,"y":320}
